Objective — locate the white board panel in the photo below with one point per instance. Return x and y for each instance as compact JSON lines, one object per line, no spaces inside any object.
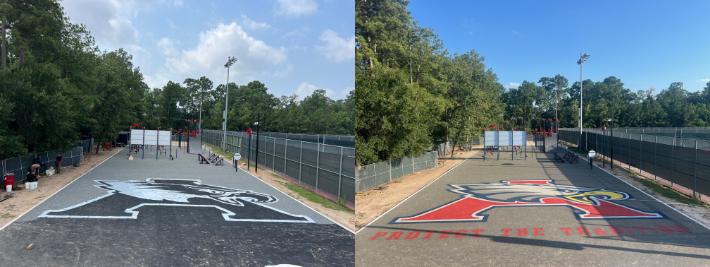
{"x":504,"y":138}
{"x":164,"y":138}
{"x":518,"y":138}
{"x":490,"y":138}
{"x":151,"y":137}
{"x":136,"y":137}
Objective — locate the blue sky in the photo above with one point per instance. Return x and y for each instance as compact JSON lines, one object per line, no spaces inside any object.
{"x":292,"y":46}
{"x":644,"y":43}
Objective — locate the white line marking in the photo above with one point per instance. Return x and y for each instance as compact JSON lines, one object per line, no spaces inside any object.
{"x":351,"y":231}
{"x":437,"y":178}
{"x":23,"y":214}
{"x":703,"y":225}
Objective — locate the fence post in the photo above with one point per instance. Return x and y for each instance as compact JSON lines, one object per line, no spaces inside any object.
{"x":300,"y":164}
{"x":390,"y":165}
{"x":317,"y":166}
{"x":285,"y":154}
{"x":655,"y":159}
{"x":273,"y":161}
{"x":695,"y":168}
{"x":673,"y":161}
{"x":628,"y":160}
{"x":640,"y":153}
{"x":340,"y":175}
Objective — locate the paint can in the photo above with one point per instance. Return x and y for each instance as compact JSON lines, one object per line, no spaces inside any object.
{"x":8,"y":188}
{"x":28,"y":185}
{"x":34,"y":185}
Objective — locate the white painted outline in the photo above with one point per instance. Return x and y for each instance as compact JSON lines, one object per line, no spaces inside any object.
{"x":664,"y":203}
{"x":420,"y":189}
{"x":134,"y":214}
{"x":45,"y":199}
{"x":321,"y":214}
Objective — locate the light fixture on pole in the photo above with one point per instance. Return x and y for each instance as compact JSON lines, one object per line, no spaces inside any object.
{"x":581,"y":60}
{"x":230,"y":60}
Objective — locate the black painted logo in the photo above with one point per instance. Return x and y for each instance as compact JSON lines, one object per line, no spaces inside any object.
{"x":126,"y":199}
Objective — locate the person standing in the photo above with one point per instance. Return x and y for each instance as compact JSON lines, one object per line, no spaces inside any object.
{"x":58,"y":163}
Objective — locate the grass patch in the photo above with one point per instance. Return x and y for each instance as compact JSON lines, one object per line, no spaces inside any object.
{"x":669,"y":193}
{"x":311,"y":196}
{"x":7,"y":216}
{"x":300,"y":190}
{"x":219,"y":151}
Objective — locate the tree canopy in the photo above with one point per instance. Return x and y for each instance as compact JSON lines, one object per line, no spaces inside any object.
{"x":57,"y":87}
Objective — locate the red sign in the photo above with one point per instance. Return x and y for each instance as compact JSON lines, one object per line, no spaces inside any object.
{"x":603,"y":127}
{"x":249,"y":131}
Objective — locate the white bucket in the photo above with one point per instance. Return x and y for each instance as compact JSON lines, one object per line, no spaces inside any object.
{"x":34,"y":185}
{"x":28,"y":185}
{"x":8,"y":188}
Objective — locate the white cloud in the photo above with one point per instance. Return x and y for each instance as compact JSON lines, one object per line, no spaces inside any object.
{"x":253,"y":25}
{"x":336,"y":49}
{"x":171,"y":24}
{"x":177,"y":2}
{"x":255,"y":57}
{"x":295,"y":8}
{"x":297,"y":33}
{"x":155,"y":82}
{"x":108,"y":20}
{"x":705,"y":80}
{"x":347,"y":91}
{"x":167,"y":47}
{"x":305,"y":89}
{"x":283,"y":73}
{"x":512,"y":85}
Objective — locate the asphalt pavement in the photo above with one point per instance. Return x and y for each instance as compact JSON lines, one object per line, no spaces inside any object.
{"x":531,"y":212}
{"x":162,"y":212}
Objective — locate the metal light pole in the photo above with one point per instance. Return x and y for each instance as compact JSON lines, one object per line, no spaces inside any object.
{"x":581,"y":60}
{"x":230,"y":61}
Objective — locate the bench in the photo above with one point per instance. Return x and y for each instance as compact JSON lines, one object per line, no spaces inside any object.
{"x":202,"y":159}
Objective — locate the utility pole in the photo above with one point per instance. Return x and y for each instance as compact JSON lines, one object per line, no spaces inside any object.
{"x":583,"y":58}
{"x":230,"y":61}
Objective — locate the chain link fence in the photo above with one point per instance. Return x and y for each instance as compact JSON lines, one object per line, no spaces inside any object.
{"x":685,"y":162}
{"x":323,"y":168}
{"x":19,"y":166}
{"x":675,"y":132}
{"x":380,"y":173}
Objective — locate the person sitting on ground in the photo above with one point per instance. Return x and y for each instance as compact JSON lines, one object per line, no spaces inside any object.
{"x":31,"y":177}
{"x":33,"y":168}
{"x":58,"y":162}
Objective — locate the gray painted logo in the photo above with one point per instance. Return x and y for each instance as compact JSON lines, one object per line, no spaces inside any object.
{"x":126,"y":198}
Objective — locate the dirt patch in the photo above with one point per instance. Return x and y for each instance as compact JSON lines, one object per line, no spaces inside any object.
{"x":15,"y":203}
{"x":374,"y":202}
{"x":343,"y":218}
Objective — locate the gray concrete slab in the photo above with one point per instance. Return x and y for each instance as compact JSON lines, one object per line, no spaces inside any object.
{"x":469,"y":217}
{"x":150,"y":212}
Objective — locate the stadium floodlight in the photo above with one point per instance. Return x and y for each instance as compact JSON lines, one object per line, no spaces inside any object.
{"x":230,"y":61}
{"x":582,"y":59}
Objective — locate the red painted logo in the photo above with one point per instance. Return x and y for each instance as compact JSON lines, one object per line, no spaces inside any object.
{"x":592,"y":203}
